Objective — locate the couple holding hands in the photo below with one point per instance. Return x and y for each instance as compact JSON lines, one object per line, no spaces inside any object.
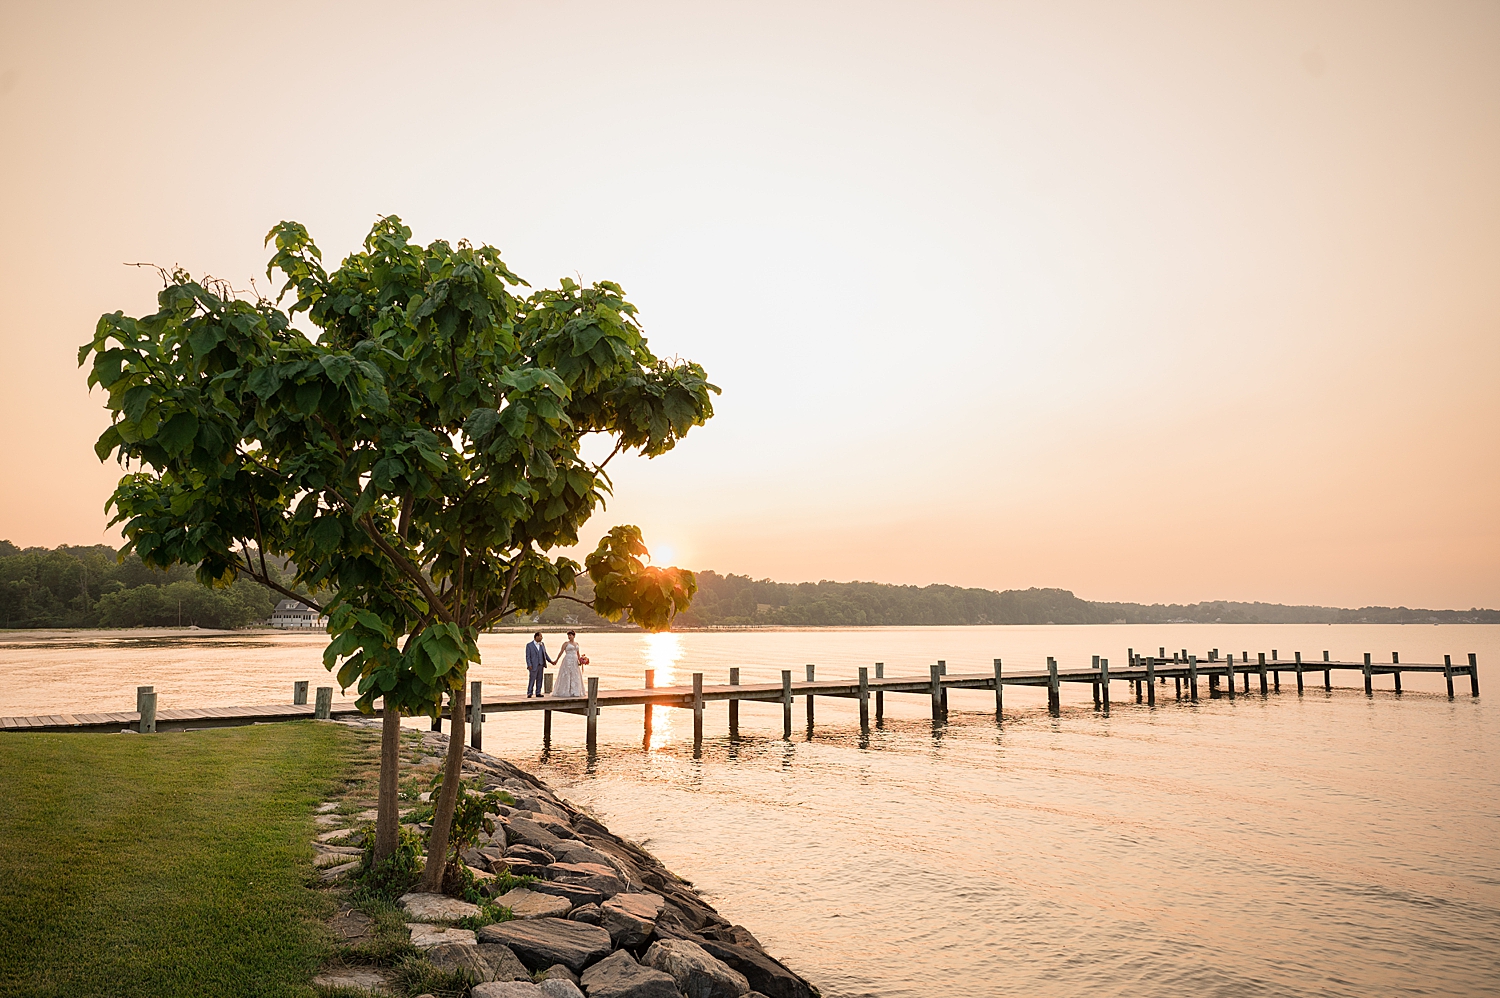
{"x":569,"y":661}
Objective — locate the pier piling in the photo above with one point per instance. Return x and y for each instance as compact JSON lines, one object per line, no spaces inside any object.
{"x":864,"y":699}
{"x":1448,"y":673}
{"x":1054,"y":690}
{"x":879,"y":696}
{"x":999,"y":691}
{"x":148,"y":711}
{"x":734,"y":706}
{"x":591,"y":715}
{"x":1369,"y":690}
{"x":1473,"y":674}
{"x":698,"y":714}
{"x":809,"y":702}
{"x":786,"y":704}
{"x":324,"y":708}
{"x":476,"y":715}
{"x":299,"y":693}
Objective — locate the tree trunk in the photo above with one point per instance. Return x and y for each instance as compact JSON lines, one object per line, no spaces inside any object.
{"x":442,"y":818}
{"x":387,"y":813}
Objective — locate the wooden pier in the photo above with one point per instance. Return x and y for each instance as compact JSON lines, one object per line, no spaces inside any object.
{"x":1147,"y":677}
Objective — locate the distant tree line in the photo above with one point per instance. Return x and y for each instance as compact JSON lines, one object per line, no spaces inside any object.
{"x":739,"y":601}
{"x":93,"y":587}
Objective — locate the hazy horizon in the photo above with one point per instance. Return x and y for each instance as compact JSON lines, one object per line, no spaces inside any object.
{"x":1143,"y":301}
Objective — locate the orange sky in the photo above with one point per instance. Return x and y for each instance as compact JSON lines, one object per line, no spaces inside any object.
{"x":1153,"y":301}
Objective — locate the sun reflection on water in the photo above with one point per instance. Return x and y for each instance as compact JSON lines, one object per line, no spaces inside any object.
{"x":662,"y":653}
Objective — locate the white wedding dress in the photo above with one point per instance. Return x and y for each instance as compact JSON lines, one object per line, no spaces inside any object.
{"x":569,"y":672}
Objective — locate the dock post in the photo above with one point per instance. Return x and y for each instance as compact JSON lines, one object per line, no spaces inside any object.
{"x":1299,"y":672}
{"x":147,"y":701}
{"x":1177,"y":683}
{"x":476,"y":715}
{"x":650,"y":685}
{"x":879,"y":696}
{"x":1263,"y":689}
{"x":299,"y":693}
{"x":943,"y":671}
{"x":937,"y":693}
{"x":1104,"y":683}
{"x":140,"y":696}
{"x":1095,"y":683}
{"x":809,"y":701}
{"x":1193,"y":677}
{"x":1151,"y":682}
{"x":999,"y":691}
{"x":1368,"y":690}
{"x":734,"y":706}
{"x":1448,"y":673}
{"x":1327,"y":674}
{"x":1229,"y":660}
{"x":786,"y":704}
{"x":864,"y":699}
{"x":1054,"y":693}
{"x":1275,"y":672}
{"x":547,"y":714}
{"x":591,"y":714}
{"x":1396,"y":660}
{"x":324,"y":708}
{"x":1473,"y":674}
{"x":1131,"y":662}
{"x":697,"y":714}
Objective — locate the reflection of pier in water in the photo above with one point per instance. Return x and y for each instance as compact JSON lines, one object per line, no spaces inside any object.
{"x":1146,"y":676}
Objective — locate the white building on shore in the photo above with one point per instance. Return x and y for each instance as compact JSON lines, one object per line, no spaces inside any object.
{"x":294,"y":616}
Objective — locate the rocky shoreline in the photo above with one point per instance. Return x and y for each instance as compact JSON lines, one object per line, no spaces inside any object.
{"x":603,"y":919}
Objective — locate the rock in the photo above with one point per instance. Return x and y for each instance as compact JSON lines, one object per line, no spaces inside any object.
{"x":335,"y":835}
{"x":574,"y":851}
{"x":631,"y":918}
{"x":335,"y":872}
{"x":578,"y":895}
{"x":475,"y":859}
{"x":526,"y":904}
{"x":542,"y":942}
{"x":437,"y":907}
{"x":698,"y":974}
{"x":764,"y":974}
{"x":523,"y":831}
{"x":333,"y":855}
{"x":557,"y":827}
{"x":328,"y":820}
{"x":559,"y":971}
{"x":589,"y":913}
{"x":486,"y":961}
{"x":425,"y":935}
{"x":600,"y":878}
{"x":367,"y":978}
{"x":353,"y":926}
{"x":506,"y":989}
{"x":556,"y":987}
{"x":518,"y":868}
{"x":327,"y":807}
{"x":619,"y":976}
{"x":531,"y":854}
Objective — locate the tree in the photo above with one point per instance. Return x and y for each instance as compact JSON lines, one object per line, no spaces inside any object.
{"x":418,"y":458}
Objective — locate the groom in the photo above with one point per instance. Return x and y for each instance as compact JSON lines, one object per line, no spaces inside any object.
{"x":536,"y":661}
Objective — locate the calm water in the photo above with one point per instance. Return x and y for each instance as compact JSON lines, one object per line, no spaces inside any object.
{"x":1328,"y":844}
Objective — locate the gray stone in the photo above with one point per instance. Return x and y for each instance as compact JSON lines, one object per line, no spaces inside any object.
{"x":523,"y":831}
{"x":600,"y":878}
{"x":555,"y":987}
{"x":765,"y":975}
{"x":353,"y":926}
{"x":619,"y":976}
{"x":529,"y":904}
{"x":572,"y":851}
{"x":544,"y":941}
{"x":486,"y":961}
{"x":578,"y":895}
{"x":697,"y":973}
{"x":530,"y":854}
{"x":557,"y":827}
{"x":325,"y":855}
{"x":506,"y":989}
{"x":589,"y":913}
{"x":474,"y":859}
{"x":630,"y":919}
{"x":335,"y":872}
{"x":369,"y":978}
{"x":424,"y":935}
{"x":559,"y":971}
{"x":437,"y":907}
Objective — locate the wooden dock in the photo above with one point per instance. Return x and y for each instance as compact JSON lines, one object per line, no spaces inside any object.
{"x":1146,"y":677}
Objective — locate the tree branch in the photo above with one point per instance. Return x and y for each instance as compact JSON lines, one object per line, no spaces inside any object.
{"x":265,"y":580}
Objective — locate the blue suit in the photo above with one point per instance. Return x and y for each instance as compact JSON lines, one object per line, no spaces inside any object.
{"x":536,"y":663}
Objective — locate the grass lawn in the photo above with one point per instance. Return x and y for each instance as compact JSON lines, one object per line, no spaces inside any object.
{"x":168,"y":864}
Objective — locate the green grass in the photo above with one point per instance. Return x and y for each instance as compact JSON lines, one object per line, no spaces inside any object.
{"x":169,"y":864}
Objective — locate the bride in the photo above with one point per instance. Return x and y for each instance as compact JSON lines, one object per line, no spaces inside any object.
{"x":569,"y":670}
